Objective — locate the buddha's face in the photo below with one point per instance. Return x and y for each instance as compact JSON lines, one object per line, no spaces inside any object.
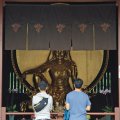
{"x":59,"y":54}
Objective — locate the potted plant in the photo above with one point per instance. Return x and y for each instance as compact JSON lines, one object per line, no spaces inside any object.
{"x":107,"y":109}
{"x":88,"y":117}
{"x":11,"y":109}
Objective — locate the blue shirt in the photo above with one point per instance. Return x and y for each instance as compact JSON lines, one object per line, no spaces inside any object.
{"x":78,"y":102}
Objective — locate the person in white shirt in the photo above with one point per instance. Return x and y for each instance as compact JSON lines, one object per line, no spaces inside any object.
{"x":44,"y":114}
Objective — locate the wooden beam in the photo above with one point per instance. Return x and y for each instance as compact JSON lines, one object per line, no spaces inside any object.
{"x":60,"y":1}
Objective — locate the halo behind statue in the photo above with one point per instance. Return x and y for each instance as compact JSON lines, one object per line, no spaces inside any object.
{"x":91,"y":65}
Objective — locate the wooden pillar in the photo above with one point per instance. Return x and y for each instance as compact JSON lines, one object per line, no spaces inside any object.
{"x":1,"y":38}
{"x":117,"y":114}
{"x":3,"y":113}
{"x":118,"y":3}
{"x":117,"y":110}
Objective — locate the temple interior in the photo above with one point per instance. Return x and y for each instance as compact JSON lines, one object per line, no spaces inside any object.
{"x":56,"y":43}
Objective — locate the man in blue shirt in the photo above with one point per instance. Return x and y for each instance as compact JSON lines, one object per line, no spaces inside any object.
{"x":77,"y":102}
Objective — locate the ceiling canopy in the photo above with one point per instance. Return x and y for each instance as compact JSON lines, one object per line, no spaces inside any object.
{"x":60,"y":27}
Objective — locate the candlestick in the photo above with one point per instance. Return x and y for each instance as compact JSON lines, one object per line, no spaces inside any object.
{"x":13,"y":80}
{"x":97,"y":88}
{"x":93,"y":90}
{"x":23,"y":90}
{"x":106,"y":80}
{"x":16,"y":83}
{"x":110,"y":81}
{"x":100,"y":85}
{"x":10,"y":83}
{"x":19,"y":87}
{"x":103,"y":83}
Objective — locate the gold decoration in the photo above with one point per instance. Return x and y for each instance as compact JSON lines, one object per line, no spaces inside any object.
{"x":38,"y":27}
{"x":15,"y":27}
{"x":78,"y":56}
{"x":82,"y":27}
{"x":102,"y":73}
{"x":105,"y":27}
{"x":60,"y":27}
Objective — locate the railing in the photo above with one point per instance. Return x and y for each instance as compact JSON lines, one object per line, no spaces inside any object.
{"x":116,"y":114}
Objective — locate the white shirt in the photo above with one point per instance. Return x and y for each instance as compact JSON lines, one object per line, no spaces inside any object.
{"x":45,"y":112}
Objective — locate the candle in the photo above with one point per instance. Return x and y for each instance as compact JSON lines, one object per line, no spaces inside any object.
{"x":93,"y":90}
{"x":97,"y":88}
{"x":16,"y":83}
{"x":19,"y":87}
{"x":23,"y":89}
{"x":10,"y":82}
{"x":100,"y":85}
{"x":109,"y":81}
{"x":106,"y":80}
{"x":13,"y":80}
{"x":103,"y":83}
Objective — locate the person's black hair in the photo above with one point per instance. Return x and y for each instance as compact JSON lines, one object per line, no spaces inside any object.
{"x":42,"y":85}
{"x":78,"y":83}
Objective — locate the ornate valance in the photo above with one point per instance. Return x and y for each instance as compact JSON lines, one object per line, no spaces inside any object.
{"x":58,"y":27}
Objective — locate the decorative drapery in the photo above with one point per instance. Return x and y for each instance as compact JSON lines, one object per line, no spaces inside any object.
{"x":60,"y":27}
